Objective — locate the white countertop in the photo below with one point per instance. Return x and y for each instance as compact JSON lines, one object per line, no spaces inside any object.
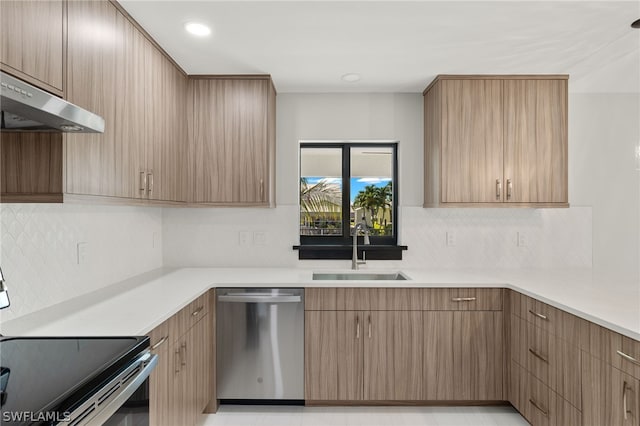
{"x":136,"y":306}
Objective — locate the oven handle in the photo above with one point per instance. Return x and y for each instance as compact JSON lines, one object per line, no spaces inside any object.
{"x":122,"y":395}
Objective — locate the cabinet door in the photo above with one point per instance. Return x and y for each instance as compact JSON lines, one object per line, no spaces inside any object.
{"x":393,"y":356}
{"x":463,"y":355}
{"x":169,"y":152}
{"x":32,"y":40}
{"x":438,"y":365}
{"x":535,"y":144}
{"x":91,"y":70}
{"x":161,"y":379}
{"x":231,"y":140}
{"x":321,"y":355}
{"x":471,"y":141}
{"x":155,"y":125}
{"x":130,"y":112}
{"x":610,"y":397}
{"x":200,"y":361}
{"x":478,"y":355}
{"x":351,"y":335}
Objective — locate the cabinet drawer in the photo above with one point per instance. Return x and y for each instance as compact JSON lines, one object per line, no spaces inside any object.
{"x":615,"y":349}
{"x":159,"y":337}
{"x":188,"y":316}
{"x":559,"y":323}
{"x":551,"y":360}
{"x":319,"y":299}
{"x":538,"y":403}
{"x":610,"y":396}
{"x":378,"y":299}
{"x":462,"y":299}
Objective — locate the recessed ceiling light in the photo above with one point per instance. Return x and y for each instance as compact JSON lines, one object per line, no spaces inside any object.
{"x":636,"y":24}
{"x":197,"y":29}
{"x":351,"y":77}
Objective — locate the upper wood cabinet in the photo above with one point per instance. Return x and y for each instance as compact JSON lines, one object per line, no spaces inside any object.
{"x":496,"y":141}
{"x":115,"y":71}
{"x":32,"y":42}
{"x":93,"y":46}
{"x":231,"y":124}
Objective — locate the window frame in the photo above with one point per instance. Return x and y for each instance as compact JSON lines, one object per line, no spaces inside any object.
{"x":346,"y":239}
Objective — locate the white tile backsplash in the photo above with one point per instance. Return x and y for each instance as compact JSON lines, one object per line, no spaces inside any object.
{"x":39,"y":250}
{"x":485,"y":238}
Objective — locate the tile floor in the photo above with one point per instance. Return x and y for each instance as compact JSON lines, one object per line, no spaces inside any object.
{"x":235,"y":415}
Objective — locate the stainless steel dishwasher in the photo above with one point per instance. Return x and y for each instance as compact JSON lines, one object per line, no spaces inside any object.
{"x":260,"y":344}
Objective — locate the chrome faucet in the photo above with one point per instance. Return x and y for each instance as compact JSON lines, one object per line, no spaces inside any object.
{"x":359,"y":226}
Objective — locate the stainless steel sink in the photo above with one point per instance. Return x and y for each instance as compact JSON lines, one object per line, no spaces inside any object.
{"x":360,"y":276}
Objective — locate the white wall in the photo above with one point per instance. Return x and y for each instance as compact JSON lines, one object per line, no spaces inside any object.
{"x":485,"y":237}
{"x":604,"y":131}
{"x":38,"y":250}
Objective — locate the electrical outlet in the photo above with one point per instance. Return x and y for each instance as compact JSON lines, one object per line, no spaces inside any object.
{"x":243,"y":238}
{"x":451,"y":239}
{"x":259,"y":238}
{"x":82,"y":253}
{"x":521,"y":239}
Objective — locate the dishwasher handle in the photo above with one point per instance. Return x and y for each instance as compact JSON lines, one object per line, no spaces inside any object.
{"x":253,"y":298}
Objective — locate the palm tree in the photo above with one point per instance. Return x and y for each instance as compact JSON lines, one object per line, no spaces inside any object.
{"x":385,"y":197}
{"x":322,"y":198}
{"x":368,"y":198}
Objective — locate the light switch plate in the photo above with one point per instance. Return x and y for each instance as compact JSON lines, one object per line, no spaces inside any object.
{"x":82,"y":253}
{"x":243,"y":238}
{"x":451,"y":239}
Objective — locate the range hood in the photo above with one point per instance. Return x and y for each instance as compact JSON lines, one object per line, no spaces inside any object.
{"x":27,"y":108}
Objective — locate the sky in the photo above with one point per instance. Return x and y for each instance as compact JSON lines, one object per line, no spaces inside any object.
{"x":357,"y":184}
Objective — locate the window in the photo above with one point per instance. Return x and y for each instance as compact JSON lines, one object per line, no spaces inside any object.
{"x":338,"y":179}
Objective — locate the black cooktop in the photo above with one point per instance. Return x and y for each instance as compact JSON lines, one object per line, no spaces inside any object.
{"x":44,"y":375}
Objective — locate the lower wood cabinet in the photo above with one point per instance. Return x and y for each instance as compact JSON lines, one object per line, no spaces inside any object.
{"x":610,"y":397}
{"x":463,"y":355}
{"x":539,"y":404}
{"x":181,"y":385}
{"x":363,"y":355}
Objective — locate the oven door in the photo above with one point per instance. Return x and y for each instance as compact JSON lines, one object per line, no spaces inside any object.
{"x":135,"y":410}
{"x":122,"y":401}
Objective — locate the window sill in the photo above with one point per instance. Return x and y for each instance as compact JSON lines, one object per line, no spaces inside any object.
{"x":345,"y":252}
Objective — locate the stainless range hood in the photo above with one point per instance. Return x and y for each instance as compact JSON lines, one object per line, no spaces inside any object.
{"x":27,"y":108}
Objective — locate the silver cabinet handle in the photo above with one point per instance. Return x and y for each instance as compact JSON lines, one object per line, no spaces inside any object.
{"x":357,"y":327}
{"x":509,"y":189}
{"x":150,"y":181}
{"x":628,"y":357}
{"x":261,"y":189}
{"x":143,"y":182}
{"x":498,"y":189}
{"x":160,"y":342}
{"x":184,"y":358}
{"x":537,"y":355}
{"x":532,"y":402}
{"x":197,"y":311}
{"x":369,"y":326}
{"x":463,"y":299}
{"x":625,"y":410}
{"x":544,"y":317}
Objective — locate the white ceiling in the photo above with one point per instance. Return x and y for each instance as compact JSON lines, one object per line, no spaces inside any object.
{"x":400,"y":46}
